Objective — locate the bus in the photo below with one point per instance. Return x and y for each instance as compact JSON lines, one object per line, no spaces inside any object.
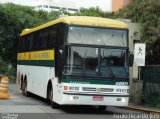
{"x":76,"y":60}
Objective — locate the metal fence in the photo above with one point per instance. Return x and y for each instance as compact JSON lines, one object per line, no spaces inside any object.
{"x":151,"y":83}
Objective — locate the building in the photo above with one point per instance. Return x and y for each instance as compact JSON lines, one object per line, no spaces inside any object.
{"x":49,"y":5}
{"x":72,"y":5}
{"x":104,"y":5}
{"x":118,"y":4}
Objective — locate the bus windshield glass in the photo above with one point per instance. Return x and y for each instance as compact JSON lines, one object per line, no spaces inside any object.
{"x":100,"y":62}
{"x":97,"y":36}
{"x":113,"y":62}
{"x":81,"y":60}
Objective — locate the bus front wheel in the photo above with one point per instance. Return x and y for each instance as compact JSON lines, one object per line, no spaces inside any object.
{"x":53,"y":104}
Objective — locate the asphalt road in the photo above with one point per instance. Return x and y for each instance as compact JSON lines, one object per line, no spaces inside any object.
{"x":22,"y":107}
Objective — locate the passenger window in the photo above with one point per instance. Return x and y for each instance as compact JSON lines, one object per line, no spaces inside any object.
{"x":43,"y":39}
{"x":31,"y":47}
{"x":51,"y":38}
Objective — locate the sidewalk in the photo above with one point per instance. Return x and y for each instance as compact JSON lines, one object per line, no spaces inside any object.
{"x":141,"y":108}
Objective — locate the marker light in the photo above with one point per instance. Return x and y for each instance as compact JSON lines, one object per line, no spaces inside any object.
{"x":65,"y":88}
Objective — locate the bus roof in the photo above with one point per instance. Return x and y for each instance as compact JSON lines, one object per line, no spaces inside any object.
{"x":80,"y":20}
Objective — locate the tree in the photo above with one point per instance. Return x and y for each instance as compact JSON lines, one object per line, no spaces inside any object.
{"x":146,"y":12}
{"x":97,"y":12}
{"x":15,"y":18}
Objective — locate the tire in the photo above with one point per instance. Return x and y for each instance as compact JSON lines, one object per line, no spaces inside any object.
{"x":54,"y":105}
{"x":102,"y":108}
{"x":24,"y":89}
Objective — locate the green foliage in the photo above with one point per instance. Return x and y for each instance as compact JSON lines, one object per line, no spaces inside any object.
{"x":153,"y":100}
{"x":13,"y":20}
{"x":7,"y":70}
{"x":96,"y":12}
{"x":146,"y":12}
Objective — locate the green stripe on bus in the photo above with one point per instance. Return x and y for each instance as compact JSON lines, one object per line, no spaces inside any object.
{"x":89,"y":81}
{"x":36,"y":62}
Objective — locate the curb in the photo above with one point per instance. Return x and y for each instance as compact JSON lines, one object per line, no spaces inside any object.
{"x":140,"y":110}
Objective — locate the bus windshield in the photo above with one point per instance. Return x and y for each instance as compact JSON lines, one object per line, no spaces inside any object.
{"x":113,"y":61}
{"x":100,"y":62}
{"x":97,"y":36}
{"x":81,"y":60}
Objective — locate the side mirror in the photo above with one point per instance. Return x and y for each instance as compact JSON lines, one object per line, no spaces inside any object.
{"x":131,"y":58}
{"x":60,"y":63}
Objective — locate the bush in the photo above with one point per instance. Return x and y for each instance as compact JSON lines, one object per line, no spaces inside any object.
{"x":152,"y":100}
{"x":7,"y":70}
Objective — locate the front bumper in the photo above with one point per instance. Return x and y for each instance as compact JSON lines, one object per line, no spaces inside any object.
{"x":111,"y":99}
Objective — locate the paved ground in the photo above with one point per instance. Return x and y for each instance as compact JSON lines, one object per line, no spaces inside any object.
{"x":36,"y":107}
{"x":141,"y":108}
{"x":21,"y":104}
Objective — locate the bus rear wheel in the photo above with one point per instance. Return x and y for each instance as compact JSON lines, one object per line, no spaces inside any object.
{"x":24,"y":89}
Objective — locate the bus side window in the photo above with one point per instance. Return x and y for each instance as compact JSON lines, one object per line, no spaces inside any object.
{"x":60,"y":35}
{"x":31,"y":42}
{"x":43,"y":39}
{"x":23,"y":44}
{"x":20,"y":44}
{"x":36,"y":43}
{"x":51,"y":38}
{"x":26,"y":43}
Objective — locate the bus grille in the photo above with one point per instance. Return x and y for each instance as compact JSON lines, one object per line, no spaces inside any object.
{"x":99,"y":89}
{"x":106,"y":89}
{"x":88,"y":89}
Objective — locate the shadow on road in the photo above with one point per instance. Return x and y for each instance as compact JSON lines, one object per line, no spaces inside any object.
{"x":74,"y":109}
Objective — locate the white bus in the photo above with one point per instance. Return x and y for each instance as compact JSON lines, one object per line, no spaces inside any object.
{"x":76,"y":60}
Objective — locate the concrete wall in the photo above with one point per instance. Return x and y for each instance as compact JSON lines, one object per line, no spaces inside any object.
{"x":135,"y":83}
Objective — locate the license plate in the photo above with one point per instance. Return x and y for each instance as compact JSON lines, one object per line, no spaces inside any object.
{"x":98,"y":98}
